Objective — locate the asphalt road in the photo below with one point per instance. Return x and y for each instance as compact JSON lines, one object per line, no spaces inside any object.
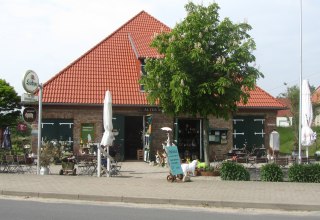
{"x":30,"y":209}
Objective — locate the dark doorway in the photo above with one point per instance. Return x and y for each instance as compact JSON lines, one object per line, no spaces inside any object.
{"x":248,"y":131}
{"x":133,"y":136}
{"x":189,"y":140}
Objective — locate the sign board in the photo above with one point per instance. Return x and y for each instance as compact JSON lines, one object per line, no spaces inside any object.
{"x":29,"y":114}
{"x":87,"y":132}
{"x":29,"y":98}
{"x":30,"y":81}
{"x":174,"y":160}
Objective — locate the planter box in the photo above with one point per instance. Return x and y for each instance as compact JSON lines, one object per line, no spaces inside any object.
{"x":209,"y":173}
{"x":206,"y":173}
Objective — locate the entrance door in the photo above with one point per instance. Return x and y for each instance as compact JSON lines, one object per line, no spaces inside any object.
{"x":118,"y":143}
{"x":133,"y":136}
{"x":188,"y":137}
{"x":249,"y":131}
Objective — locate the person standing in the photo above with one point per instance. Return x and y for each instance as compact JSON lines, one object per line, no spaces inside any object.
{"x":275,"y":143}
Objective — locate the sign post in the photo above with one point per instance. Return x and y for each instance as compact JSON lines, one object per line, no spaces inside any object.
{"x":30,"y":83}
{"x":39,"y":129}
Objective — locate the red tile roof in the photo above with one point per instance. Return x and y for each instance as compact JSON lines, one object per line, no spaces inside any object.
{"x":113,"y":65}
{"x":110,"y":65}
{"x":315,"y":98}
{"x":261,"y":99}
{"x":286,"y":112}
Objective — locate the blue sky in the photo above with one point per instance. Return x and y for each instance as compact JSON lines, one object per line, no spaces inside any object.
{"x":46,"y":36}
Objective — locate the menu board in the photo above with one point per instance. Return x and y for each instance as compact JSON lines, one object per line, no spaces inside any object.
{"x":174,"y":160}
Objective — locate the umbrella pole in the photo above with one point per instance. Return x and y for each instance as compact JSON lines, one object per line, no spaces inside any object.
{"x":108,"y":163}
{"x":99,"y":161}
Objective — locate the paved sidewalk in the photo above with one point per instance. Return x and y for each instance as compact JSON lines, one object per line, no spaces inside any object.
{"x":142,"y":183}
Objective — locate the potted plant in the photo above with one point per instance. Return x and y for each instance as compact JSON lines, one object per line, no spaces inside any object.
{"x":68,"y":162}
{"x":207,"y":171}
{"x":48,"y":152}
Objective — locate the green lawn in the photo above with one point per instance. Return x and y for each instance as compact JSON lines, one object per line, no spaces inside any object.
{"x":287,"y":140}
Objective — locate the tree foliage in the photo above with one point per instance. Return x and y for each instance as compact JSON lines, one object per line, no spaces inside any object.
{"x":205,"y":66}
{"x":293,"y":95}
{"x":9,"y":105}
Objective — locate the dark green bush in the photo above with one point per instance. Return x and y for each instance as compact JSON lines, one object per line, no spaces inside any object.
{"x":234,"y":171}
{"x":295,"y":173}
{"x":308,"y":173}
{"x":271,"y":172}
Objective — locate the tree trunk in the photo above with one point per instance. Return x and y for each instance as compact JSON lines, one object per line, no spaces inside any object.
{"x":206,"y":140}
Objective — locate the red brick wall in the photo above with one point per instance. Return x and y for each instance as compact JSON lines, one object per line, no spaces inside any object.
{"x":94,"y":115}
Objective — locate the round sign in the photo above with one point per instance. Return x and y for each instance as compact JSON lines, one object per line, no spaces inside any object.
{"x":29,"y":114}
{"x":30,"y":81}
{"x":22,"y":127}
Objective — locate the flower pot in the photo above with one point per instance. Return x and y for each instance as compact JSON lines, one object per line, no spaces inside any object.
{"x":206,"y":173}
{"x":44,"y":171}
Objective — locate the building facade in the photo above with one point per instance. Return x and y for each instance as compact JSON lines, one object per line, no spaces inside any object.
{"x":73,"y":103}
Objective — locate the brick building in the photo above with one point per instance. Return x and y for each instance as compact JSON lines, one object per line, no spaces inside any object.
{"x":73,"y":102}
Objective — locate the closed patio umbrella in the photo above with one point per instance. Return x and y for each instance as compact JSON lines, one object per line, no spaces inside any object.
{"x":6,"y":143}
{"x":108,"y":137}
{"x":307,"y":135}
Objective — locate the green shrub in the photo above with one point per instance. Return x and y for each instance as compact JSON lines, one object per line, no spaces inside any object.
{"x":234,"y":171}
{"x":295,"y":173}
{"x":271,"y":172}
{"x":308,"y":173}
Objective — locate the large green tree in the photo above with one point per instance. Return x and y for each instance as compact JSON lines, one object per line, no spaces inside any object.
{"x":205,"y":66}
{"x":9,"y":106}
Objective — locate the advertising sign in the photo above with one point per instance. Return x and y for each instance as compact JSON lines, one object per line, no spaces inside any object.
{"x":30,"y":81}
{"x":174,"y":160}
{"x":29,"y":114}
{"x":87,"y":132}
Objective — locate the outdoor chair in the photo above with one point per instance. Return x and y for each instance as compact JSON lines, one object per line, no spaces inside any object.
{"x":11,"y":164}
{"x":30,"y":165}
{"x":242,"y":160}
{"x":21,"y":163}
{"x":115,"y":166}
{"x":255,"y":161}
{"x":2,"y":164}
{"x":86,"y":164}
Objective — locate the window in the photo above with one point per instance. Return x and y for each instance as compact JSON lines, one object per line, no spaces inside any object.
{"x":218,"y":136}
{"x":142,"y":72}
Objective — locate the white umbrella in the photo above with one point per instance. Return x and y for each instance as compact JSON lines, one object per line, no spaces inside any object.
{"x":307,"y":135}
{"x":108,"y":137}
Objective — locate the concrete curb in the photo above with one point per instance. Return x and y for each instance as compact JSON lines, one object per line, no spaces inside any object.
{"x":143,"y":200}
